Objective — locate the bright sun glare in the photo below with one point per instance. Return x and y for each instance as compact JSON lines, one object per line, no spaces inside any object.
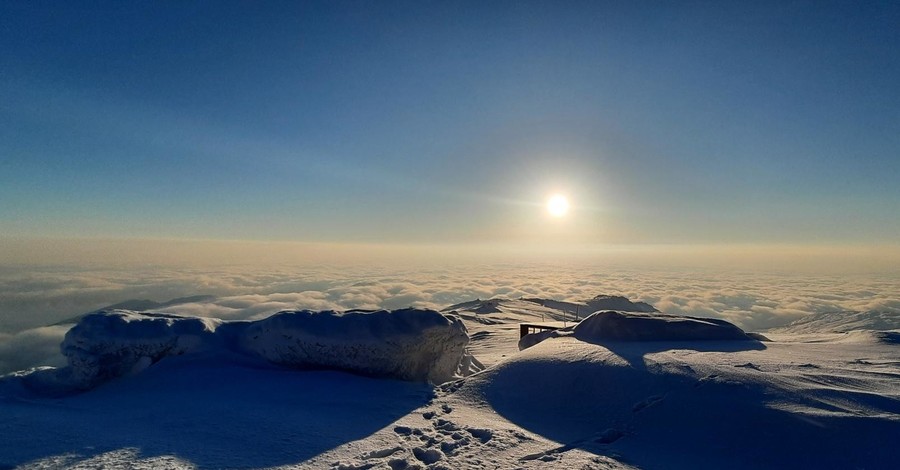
{"x":557,"y":205}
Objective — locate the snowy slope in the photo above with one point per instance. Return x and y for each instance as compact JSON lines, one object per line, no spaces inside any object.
{"x":840,"y":322}
{"x":818,"y":403}
{"x":493,"y":324}
{"x":733,"y":404}
{"x":202,"y":412}
{"x":823,"y":400}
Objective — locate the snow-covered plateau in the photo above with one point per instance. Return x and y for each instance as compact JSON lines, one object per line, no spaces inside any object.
{"x":626,"y":387}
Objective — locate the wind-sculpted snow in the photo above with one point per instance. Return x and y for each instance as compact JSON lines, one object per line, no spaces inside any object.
{"x":891,"y":337}
{"x":109,"y":344}
{"x":699,"y":404}
{"x":825,"y":400}
{"x":633,"y":326}
{"x":408,"y":344}
{"x":628,"y":326}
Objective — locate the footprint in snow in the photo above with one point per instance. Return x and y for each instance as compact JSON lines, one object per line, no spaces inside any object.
{"x":457,"y":442}
{"x":646,"y":403}
{"x":482,"y":435}
{"x":403,"y":430}
{"x":427,"y":456}
{"x":380,"y":454}
{"x":445,"y":426}
{"x":403,"y":464}
{"x":703,"y":380}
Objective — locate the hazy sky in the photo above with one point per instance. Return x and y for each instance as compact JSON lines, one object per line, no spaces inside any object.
{"x":670,"y":122}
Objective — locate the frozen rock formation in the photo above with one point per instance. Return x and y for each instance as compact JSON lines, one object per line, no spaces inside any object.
{"x":109,"y":344}
{"x":409,"y":344}
{"x":613,"y":325}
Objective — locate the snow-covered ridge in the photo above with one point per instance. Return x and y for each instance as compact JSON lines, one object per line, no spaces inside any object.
{"x":409,"y":344}
{"x":583,"y":307}
{"x":842,"y":322}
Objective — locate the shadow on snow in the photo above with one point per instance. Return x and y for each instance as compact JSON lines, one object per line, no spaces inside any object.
{"x":211,"y":413}
{"x":669,"y":415}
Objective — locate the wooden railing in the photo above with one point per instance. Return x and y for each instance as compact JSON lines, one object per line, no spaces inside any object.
{"x":529,"y":328}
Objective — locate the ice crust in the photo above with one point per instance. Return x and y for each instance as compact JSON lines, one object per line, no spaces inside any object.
{"x":408,"y":344}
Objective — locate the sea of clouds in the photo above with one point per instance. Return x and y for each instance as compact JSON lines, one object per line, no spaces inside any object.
{"x":33,"y":299}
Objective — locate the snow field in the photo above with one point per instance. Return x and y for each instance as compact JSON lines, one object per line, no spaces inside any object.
{"x":596,"y":400}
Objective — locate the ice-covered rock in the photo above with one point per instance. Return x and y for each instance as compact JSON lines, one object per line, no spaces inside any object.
{"x":409,"y":344}
{"x":613,"y":325}
{"x":632,"y":326}
{"x":109,"y":344}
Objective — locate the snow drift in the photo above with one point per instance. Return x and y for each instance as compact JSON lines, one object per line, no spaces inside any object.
{"x":630,"y":326}
{"x":408,"y":344}
{"x":613,"y":325}
{"x":699,"y":404}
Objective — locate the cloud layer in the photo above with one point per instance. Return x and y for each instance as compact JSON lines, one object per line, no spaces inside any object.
{"x":30,"y":300}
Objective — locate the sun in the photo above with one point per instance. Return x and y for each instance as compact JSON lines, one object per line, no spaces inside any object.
{"x":557,"y":205}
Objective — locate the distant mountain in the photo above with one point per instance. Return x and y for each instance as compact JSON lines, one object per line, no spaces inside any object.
{"x":600,"y":302}
{"x":617,"y":302}
{"x":554,"y":308}
{"x":140,"y":305}
{"x":478,"y":306}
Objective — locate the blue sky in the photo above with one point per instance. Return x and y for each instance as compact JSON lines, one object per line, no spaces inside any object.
{"x":451,"y":122}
